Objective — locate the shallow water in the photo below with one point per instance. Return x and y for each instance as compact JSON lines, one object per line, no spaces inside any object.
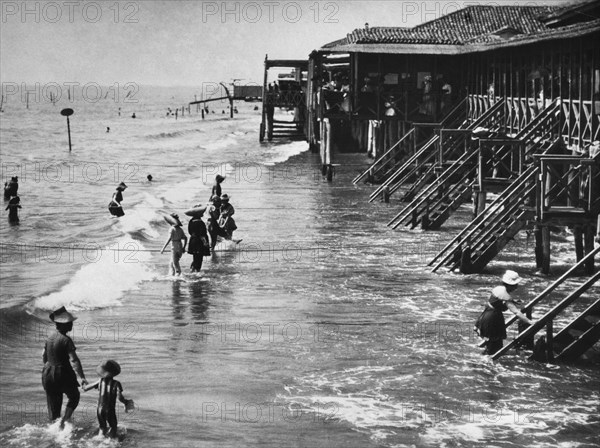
{"x":322,"y":328}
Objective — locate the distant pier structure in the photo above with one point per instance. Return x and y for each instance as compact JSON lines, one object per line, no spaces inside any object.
{"x":498,"y":105}
{"x":284,"y":88}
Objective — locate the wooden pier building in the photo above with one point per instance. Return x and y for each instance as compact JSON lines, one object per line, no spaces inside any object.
{"x":487,"y":99}
{"x":284,"y":90}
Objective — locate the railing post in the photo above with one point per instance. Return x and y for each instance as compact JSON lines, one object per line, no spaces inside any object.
{"x":550,"y":341}
{"x":589,"y":247}
{"x":546,"y":250}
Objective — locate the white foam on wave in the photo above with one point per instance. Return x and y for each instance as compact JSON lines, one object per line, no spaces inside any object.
{"x":40,"y":435}
{"x":281,"y":153}
{"x":222,"y":143}
{"x":184,"y":193}
{"x":53,"y":435}
{"x":109,"y":273}
{"x":139,"y":217}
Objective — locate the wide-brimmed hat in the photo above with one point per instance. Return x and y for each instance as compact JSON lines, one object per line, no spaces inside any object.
{"x":122,"y":185}
{"x":196,"y":211}
{"x":62,"y":316}
{"x":108,"y":368}
{"x":225,"y":197}
{"x":219,"y":178}
{"x":176,"y":217}
{"x":511,"y":278}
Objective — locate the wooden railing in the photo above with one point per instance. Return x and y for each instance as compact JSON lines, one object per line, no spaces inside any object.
{"x":286,"y":98}
{"x":417,"y":162}
{"x":421,"y":203}
{"x":546,"y":292}
{"x":581,"y":122}
{"x":547,"y":319}
{"x":389,"y":156}
{"x":566,"y":182}
{"x":486,"y":222}
{"x":478,"y":105}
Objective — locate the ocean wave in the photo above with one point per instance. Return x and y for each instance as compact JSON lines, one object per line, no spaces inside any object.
{"x":174,"y":134}
{"x":280,"y":153}
{"x":101,"y":284}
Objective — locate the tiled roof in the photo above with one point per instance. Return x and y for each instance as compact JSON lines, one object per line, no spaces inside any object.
{"x":460,"y":26}
{"x":569,"y":30}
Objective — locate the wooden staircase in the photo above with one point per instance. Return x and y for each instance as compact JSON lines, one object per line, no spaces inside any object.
{"x":395,"y":157}
{"x":484,"y":237}
{"x":573,"y":340}
{"x":420,"y":169}
{"x":288,"y":130}
{"x":433,"y":204}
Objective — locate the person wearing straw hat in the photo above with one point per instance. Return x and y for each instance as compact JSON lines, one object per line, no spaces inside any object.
{"x":60,"y":365}
{"x":176,"y":236}
{"x":109,"y":390}
{"x":491,"y":324}
{"x":199,"y":245}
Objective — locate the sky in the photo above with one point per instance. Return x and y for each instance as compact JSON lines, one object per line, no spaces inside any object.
{"x":185,"y":43}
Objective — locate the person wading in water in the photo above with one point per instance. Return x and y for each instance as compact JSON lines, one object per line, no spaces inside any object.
{"x":60,"y":365}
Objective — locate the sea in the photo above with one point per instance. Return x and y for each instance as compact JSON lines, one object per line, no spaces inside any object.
{"x":322,"y":328}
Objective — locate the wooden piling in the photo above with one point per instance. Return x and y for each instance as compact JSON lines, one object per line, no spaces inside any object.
{"x":578,"y":237}
{"x":539,"y":256}
{"x":550,"y":341}
{"x":480,"y":199}
{"x":545,"y":250}
{"x":385,"y":194}
{"x":466,"y":266}
{"x":589,"y":247}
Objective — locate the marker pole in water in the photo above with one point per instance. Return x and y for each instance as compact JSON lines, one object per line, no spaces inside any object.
{"x":67,"y":113}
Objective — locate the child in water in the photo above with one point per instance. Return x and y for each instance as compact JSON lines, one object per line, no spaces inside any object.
{"x":176,"y":236}
{"x":109,"y":390}
{"x":13,"y":209}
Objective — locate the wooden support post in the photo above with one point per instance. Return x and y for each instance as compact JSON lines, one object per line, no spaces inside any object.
{"x":545,"y":250}
{"x":550,"y":341}
{"x":466,"y":265}
{"x":425,"y":222}
{"x":475,"y":200}
{"x":481,"y":198}
{"x":578,"y":237}
{"x":385,"y":194}
{"x":270,"y":117}
{"x":329,"y":173}
{"x":329,"y":143}
{"x":539,"y":256}
{"x":589,"y":247}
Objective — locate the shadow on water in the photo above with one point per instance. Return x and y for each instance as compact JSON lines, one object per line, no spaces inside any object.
{"x":192,"y":296}
{"x":199,"y":303}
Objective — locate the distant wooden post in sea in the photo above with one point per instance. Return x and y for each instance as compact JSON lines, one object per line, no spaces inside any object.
{"x":67,"y":113}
